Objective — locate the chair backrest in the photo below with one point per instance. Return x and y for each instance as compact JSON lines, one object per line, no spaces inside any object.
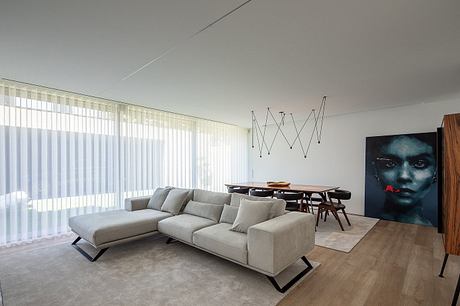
{"x":236,"y":189}
{"x":289,"y":196}
{"x":261,"y":192}
{"x":339,"y":194}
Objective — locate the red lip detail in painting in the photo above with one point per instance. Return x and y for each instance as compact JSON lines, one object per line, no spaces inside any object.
{"x":390,"y":188}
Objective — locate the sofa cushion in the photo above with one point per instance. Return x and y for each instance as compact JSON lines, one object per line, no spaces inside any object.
{"x":249,"y":214}
{"x":205,"y":196}
{"x":278,"y":205}
{"x":221,"y":240}
{"x":190,"y":192}
{"x":110,"y":226}
{"x":175,"y":200}
{"x":183,"y":226}
{"x":158,"y":198}
{"x":228,"y":214}
{"x":205,"y":210}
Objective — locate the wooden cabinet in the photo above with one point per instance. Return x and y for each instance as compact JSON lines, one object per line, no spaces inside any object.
{"x":451,"y":183}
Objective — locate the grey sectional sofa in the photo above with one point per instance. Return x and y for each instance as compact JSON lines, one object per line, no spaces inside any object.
{"x":204,"y":220}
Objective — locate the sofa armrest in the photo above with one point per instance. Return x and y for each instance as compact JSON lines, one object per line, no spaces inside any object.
{"x":275,"y":244}
{"x":137,"y":203}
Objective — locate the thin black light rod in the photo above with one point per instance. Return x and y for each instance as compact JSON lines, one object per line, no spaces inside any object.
{"x":300,"y":131}
{"x":279,"y":127}
{"x":315,"y":128}
{"x":273,"y":141}
{"x":322,"y":118}
{"x":265,"y":129}
{"x":309,"y":143}
{"x":252,"y":129}
{"x":257,"y":137}
{"x":300,"y":140}
{"x":320,"y":112}
{"x":259,"y":130}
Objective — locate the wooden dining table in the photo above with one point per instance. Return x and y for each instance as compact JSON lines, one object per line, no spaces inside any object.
{"x":307,"y":189}
{"x":319,"y":189}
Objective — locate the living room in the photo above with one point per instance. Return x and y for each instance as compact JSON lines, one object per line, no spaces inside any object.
{"x":242,"y":152}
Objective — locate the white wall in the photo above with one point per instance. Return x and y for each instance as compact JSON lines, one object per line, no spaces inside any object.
{"x":340,"y":158}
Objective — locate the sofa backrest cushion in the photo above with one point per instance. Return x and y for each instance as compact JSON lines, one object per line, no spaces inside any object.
{"x":189,"y":195}
{"x":158,"y":198}
{"x":250,"y":213}
{"x":205,"y":210}
{"x":190,"y":192}
{"x":278,"y":206}
{"x":175,"y":200}
{"x":212,"y":197}
{"x":228,"y":214}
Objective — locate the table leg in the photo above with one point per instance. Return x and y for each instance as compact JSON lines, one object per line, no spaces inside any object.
{"x":457,"y":291}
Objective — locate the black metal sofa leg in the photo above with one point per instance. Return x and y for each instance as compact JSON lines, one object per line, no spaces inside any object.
{"x":170,"y":240}
{"x":87,"y":256}
{"x":444,"y":262}
{"x":294,"y":280}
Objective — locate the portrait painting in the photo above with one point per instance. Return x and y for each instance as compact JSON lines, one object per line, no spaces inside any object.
{"x":401,"y":178}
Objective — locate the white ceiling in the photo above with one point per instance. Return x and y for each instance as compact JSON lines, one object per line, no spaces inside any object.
{"x":285,"y":54}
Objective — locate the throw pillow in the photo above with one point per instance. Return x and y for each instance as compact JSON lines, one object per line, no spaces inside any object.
{"x":174,"y":201}
{"x":249,"y":214}
{"x":205,"y":210}
{"x":228,"y":214}
{"x":158,"y":198}
{"x":278,"y":206}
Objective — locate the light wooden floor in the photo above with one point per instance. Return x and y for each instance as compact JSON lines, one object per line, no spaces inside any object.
{"x":395,"y":264}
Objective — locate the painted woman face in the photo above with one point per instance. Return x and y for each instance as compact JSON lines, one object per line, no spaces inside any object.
{"x":406,"y":170}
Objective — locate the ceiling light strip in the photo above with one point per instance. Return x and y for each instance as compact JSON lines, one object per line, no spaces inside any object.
{"x":185,"y":40}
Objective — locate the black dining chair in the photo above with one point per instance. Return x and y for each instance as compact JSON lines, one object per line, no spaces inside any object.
{"x":294,"y":200}
{"x":334,"y":205}
{"x":313,"y":200}
{"x":261,"y":192}
{"x":237,"y":189}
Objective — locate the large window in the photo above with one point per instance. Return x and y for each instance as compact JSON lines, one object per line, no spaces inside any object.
{"x":63,"y":155}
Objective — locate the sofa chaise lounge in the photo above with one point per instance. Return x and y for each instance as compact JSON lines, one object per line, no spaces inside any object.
{"x":206,"y":220}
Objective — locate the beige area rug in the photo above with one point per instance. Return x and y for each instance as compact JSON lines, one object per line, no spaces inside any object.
{"x":143,"y":272}
{"x":329,"y":234}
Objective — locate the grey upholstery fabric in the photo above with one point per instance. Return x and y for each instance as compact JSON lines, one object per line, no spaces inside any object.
{"x":221,"y":240}
{"x":109,"y":226}
{"x":250,"y":213}
{"x":124,"y":240}
{"x":275,"y":244}
{"x":158,"y":198}
{"x":183,"y":226}
{"x":175,"y":200}
{"x":268,"y":247}
{"x":205,"y":210}
{"x":190,"y":192}
{"x":211,"y":197}
{"x":278,"y":205}
{"x":132,"y":204}
{"x":228,"y":214}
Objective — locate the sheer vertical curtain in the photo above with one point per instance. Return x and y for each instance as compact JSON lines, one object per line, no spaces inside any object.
{"x":63,"y":155}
